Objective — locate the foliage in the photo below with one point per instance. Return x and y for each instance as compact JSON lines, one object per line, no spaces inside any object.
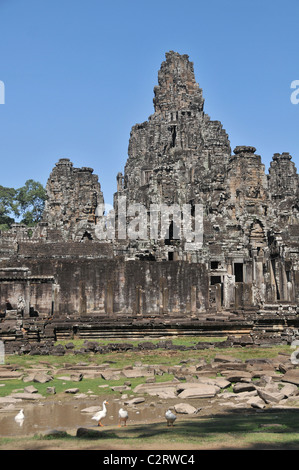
{"x":8,"y":207}
{"x":31,"y":200}
{"x":26,"y":202}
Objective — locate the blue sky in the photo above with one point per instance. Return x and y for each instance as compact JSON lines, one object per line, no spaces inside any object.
{"x":79,"y":74}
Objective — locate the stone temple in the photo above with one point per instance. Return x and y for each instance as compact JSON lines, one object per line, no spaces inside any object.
{"x":201,"y":240}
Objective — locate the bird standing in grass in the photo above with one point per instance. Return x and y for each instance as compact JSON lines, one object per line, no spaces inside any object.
{"x":123,"y":416}
{"x":101,"y":414}
{"x":170,"y":417}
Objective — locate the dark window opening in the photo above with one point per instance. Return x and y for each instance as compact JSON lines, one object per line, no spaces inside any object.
{"x":275,"y":280}
{"x":8,"y":305}
{"x":288,"y":274}
{"x":146,"y":257}
{"x":238,"y":267}
{"x":215,"y":280}
{"x":86,"y":236}
{"x":170,"y":256}
{"x":173,"y":135}
{"x":192,"y":208}
{"x":33,"y":312}
{"x":214,"y":264}
{"x":173,"y":234}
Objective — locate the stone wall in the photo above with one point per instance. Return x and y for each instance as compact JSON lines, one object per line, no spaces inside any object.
{"x":95,"y":286}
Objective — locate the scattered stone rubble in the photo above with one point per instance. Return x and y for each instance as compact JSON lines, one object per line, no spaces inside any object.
{"x":45,"y":348}
{"x":197,"y":386}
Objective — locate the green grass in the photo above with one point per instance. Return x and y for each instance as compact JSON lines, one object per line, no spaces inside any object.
{"x":120,"y":359}
{"x":84,"y":386}
{"x":234,"y":430}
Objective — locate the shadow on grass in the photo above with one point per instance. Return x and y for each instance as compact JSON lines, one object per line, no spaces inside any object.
{"x":236,"y":429}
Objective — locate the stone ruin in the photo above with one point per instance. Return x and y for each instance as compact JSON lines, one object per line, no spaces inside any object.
{"x":136,"y":270}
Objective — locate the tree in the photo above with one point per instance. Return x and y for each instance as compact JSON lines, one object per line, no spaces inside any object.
{"x":8,"y":207}
{"x":27,"y":202}
{"x":31,"y":202}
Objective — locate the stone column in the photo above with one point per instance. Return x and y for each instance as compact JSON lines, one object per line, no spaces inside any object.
{"x":193,"y":299}
{"x":27,"y":299}
{"x":55,"y":291}
{"x":109,"y":298}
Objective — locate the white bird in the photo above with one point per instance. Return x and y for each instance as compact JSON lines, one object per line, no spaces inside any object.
{"x":170,"y":417}
{"x":123,"y":416}
{"x":20,"y":415}
{"x":101,"y":414}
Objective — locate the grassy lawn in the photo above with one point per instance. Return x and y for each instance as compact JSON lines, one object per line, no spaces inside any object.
{"x":120,"y":360}
{"x":269,"y":430}
{"x":85,"y":386}
{"x":161,"y":356}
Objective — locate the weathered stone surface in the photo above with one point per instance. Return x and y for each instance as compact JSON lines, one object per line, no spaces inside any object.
{"x":291,"y":376}
{"x":137,"y":372}
{"x":168,"y":392}
{"x":9,"y":399}
{"x":270,"y":397}
{"x":8,"y":374}
{"x":73,"y":377}
{"x":135,"y":401}
{"x":64,"y":278}
{"x":42,"y":378}
{"x":199,"y":391}
{"x":111,"y":375}
{"x":289,"y":390}
{"x":160,"y":389}
{"x":220,"y":382}
{"x":227,"y":359}
{"x":185,"y":408}
{"x":257,"y":402}
{"x":243,"y":387}
{"x":30,"y":389}
{"x":295,"y":357}
{"x":120,"y":388}
{"x":26,"y":396}
{"x":73,"y":197}
{"x":236,"y":375}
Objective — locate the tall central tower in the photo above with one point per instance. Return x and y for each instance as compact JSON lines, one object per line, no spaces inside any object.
{"x":178,"y":156}
{"x":174,"y":156}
